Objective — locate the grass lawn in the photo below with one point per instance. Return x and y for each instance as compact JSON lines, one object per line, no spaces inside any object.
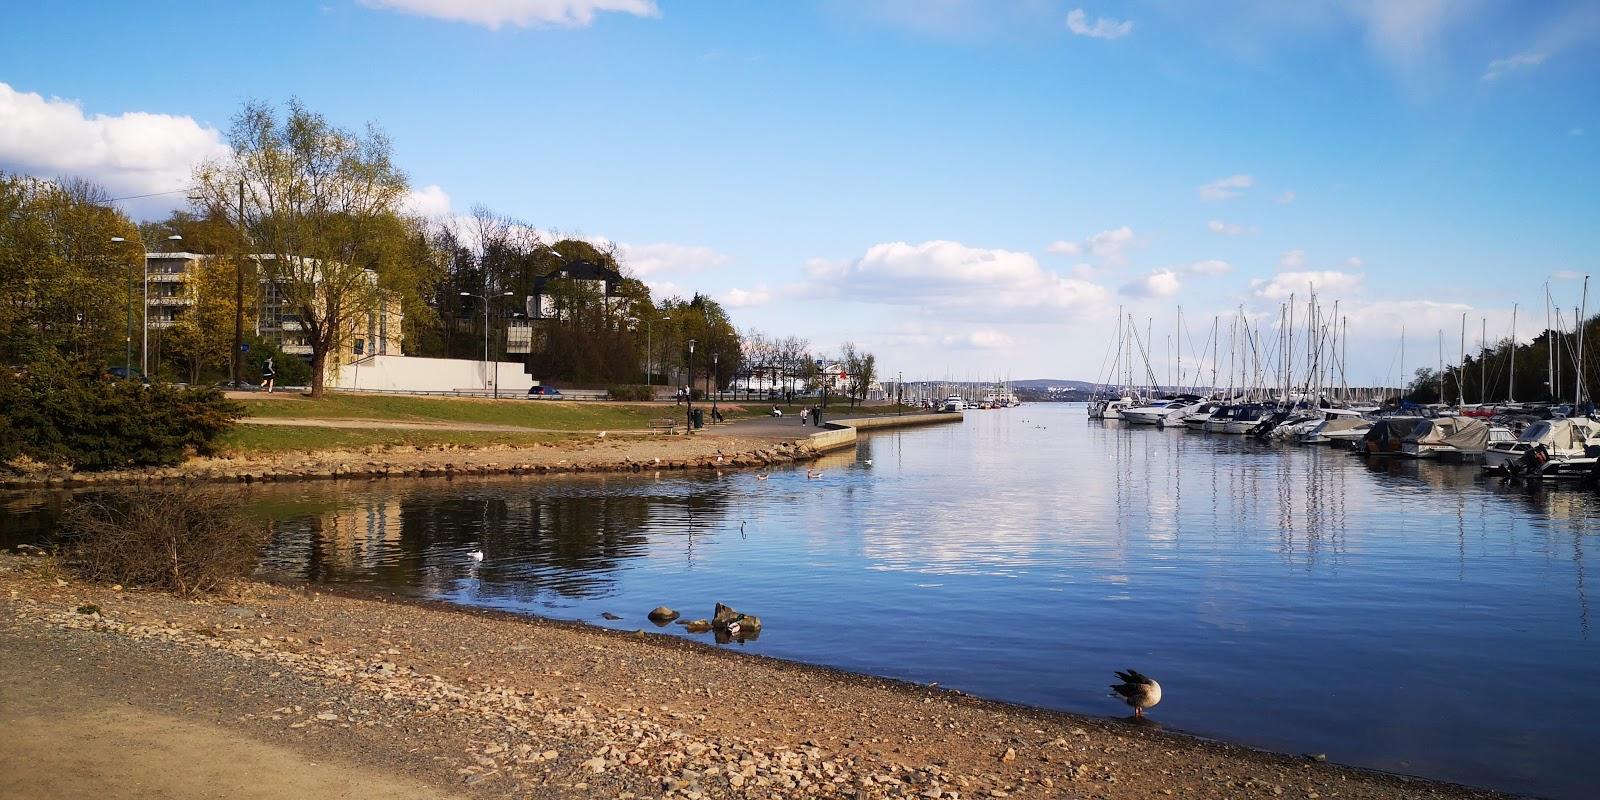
{"x":271,"y":439}
{"x":552,"y":414}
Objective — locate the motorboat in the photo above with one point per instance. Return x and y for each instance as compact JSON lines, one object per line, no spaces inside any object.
{"x":1245,"y":419}
{"x":1195,"y":420}
{"x":1158,"y":413}
{"x":1551,"y":448}
{"x":952,"y":403}
{"x":1219,"y":419}
{"x":1110,"y":409}
{"x":1338,"y":430}
{"x":1431,"y":438}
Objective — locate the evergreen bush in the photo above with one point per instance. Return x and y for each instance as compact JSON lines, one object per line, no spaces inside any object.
{"x":61,"y":413}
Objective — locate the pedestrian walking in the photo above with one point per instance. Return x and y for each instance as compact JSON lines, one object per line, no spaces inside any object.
{"x":268,"y":374}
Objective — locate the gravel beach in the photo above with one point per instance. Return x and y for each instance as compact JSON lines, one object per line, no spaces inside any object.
{"x":281,"y":691}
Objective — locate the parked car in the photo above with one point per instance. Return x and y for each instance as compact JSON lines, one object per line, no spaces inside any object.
{"x":544,"y":391}
{"x":123,"y":373}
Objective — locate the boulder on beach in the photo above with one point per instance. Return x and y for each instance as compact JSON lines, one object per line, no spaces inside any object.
{"x":662,"y":615}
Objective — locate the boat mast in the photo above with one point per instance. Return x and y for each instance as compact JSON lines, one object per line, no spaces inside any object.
{"x":1403,"y":383}
{"x":1461,"y":386}
{"x":1483,"y":360}
{"x":1441,"y":366}
{"x":1511,"y":377}
{"x":1180,"y":346}
{"x":1577,"y":330}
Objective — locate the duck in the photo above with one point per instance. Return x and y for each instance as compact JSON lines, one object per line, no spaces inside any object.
{"x":813,"y":474}
{"x":476,"y":555}
{"x":867,"y":462}
{"x":1139,"y":691}
{"x":761,"y":476}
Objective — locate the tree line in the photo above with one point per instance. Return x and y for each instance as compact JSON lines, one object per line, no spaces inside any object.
{"x":317,"y":212}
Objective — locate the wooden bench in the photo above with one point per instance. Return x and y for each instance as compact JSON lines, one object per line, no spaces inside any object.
{"x":664,"y":425}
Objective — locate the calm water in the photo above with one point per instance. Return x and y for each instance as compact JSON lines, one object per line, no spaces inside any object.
{"x":1406,"y":616}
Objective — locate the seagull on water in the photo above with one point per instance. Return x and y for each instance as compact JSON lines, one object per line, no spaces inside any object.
{"x":1139,"y":691}
{"x":761,"y":476}
{"x":476,"y":555}
{"x":813,"y":474}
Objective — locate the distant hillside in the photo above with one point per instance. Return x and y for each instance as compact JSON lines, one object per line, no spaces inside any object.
{"x":1045,"y":383}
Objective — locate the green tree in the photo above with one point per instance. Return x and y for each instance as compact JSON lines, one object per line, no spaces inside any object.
{"x":322,"y":205}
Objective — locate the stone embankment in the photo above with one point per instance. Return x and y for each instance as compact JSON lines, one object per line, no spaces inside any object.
{"x":429,"y":463}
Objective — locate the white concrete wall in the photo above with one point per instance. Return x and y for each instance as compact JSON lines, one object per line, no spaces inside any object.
{"x":408,"y":374}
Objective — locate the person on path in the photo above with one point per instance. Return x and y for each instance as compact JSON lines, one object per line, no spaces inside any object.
{"x":267,"y":374}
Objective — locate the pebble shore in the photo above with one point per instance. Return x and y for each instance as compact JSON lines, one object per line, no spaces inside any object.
{"x":494,"y":705}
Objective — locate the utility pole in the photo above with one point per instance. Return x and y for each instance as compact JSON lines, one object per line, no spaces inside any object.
{"x":235,"y":355}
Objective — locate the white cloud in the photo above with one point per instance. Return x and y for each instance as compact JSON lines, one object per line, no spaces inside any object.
{"x":429,"y":201}
{"x":1224,"y":188}
{"x":1103,"y":27}
{"x":1161,"y":283}
{"x":648,"y":259}
{"x":1567,"y":275}
{"x":1211,"y":266}
{"x":980,"y":339}
{"x":1575,"y":132}
{"x":1286,"y":198}
{"x":951,"y":277}
{"x":1355,"y":262}
{"x":130,"y":154}
{"x":1330,"y":282}
{"x":1293,"y":259}
{"x":1110,"y":244}
{"x":493,"y":14}
{"x":747,"y":298}
{"x":1228,"y":228}
{"x":1500,"y":67}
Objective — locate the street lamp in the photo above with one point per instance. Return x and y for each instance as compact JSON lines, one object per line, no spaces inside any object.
{"x":649,"y":352}
{"x":716,"y":384}
{"x":127,"y":338}
{"x":485,"y":298}
{"x":689,"y":409}
{"x":144,"y":349}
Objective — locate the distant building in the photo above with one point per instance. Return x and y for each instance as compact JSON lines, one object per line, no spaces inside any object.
{"x":376,"y":332}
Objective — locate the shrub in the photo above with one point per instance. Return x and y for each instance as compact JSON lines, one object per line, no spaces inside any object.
{"x":291,"y":370}
{"x":632,"y":391}
{"x":57,"y":412}
{"x":185,"y":539}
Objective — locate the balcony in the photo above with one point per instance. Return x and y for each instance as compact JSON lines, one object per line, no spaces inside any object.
{"x":168,"y":277}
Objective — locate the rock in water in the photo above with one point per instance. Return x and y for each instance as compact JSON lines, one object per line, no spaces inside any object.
{"x":697,"y":625}
{"x":663,"y":614}
{"x":609,"y":615}
{"x":735,"y":623}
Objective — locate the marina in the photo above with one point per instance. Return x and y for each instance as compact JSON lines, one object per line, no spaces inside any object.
{"x":1392,"y":613}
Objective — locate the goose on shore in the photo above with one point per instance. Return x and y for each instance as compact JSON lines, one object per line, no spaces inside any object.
{"x":1139,"y":691}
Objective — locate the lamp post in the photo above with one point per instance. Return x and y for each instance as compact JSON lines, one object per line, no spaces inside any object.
{"x":144,"y":345}
{"x":127,"y":338}
{"x":715,"y":382}
{"x":495,"y":382}
{"x":899,"y":392}
{"x":689,"y":408}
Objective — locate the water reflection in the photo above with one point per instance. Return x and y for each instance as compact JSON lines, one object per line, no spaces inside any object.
{"x":1404,"y":615}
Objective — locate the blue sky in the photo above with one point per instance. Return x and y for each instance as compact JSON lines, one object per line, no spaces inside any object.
{"x":966,"y":188}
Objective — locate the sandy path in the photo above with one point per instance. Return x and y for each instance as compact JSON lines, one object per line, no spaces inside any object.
{"x":389,"y":424}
